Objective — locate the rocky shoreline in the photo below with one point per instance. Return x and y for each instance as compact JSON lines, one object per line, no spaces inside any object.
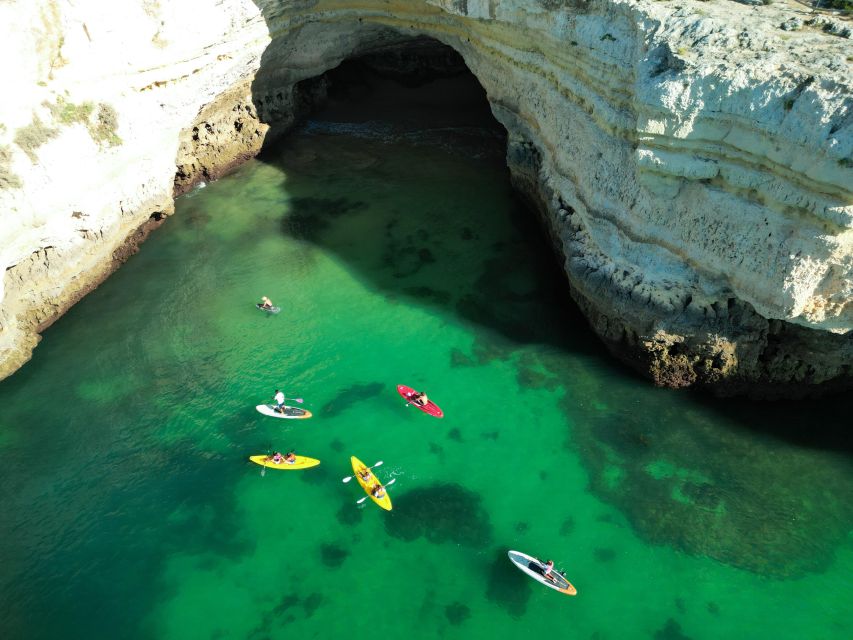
{"x":694,"y":174}
{"x":732,"y":351}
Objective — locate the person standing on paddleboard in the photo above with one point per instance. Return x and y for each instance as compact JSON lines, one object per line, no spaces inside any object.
{"x":279,"y":401}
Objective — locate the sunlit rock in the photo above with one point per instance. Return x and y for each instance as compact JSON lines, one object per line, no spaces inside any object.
{"x":692,"y":161}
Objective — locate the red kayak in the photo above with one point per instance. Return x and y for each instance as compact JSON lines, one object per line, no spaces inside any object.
{"x":430,"y":407}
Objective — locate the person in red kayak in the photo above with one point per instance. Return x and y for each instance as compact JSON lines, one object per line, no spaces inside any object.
{"x":420,"y":398}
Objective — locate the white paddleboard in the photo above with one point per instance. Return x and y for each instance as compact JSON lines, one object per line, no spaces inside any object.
{"x":293,"y":413}
{"x":534,"y":567}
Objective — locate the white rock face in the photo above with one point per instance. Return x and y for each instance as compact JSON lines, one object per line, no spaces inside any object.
{"x":693,"y":161}
{"x":79,"y":200}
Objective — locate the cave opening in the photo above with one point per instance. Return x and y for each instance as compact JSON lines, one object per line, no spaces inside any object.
{"x":420,"y":94}
{"x":419,"y":83}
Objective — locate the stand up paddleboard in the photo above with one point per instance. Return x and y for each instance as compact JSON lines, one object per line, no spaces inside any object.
{"x":358,"y":466}
{"x":430,"y":407}
{"x":294,"y":413}
{"x":301,"y":463}
{"x":534,"y":568}
{"x":272,"y":310}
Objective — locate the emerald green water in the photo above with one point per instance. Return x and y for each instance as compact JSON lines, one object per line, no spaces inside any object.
{"x":129,"y":508}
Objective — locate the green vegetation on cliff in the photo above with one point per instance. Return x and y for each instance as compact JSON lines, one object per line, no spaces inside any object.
{"x":102,"y":127}
{"x":8,"y":179}
{"x":32,"y":136}
{"x":103,"y":131}
{"x":845,"y":6}
{"x":68,"y":113}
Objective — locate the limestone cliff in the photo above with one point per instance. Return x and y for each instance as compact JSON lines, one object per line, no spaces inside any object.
{"x":693,"y":161}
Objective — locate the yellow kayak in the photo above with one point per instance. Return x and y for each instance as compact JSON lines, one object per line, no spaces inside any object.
{"x":358,"y":466}
{"x":301,"y":463}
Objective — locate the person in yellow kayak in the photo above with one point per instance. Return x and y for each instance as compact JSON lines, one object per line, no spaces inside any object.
{"x":420,"y":398}
{"x":378,"y":491}
{"x":365,"y":475}
{"x":277,"y":458}
{"x":266,"y":303}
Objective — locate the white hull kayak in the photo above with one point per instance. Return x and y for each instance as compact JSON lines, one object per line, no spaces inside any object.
{"x":534,"y":568}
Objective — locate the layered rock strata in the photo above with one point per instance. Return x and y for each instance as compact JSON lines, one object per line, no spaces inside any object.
{"x":693,"y":161}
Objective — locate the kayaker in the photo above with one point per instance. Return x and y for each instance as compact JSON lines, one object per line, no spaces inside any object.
{"x":378,"y":491}
{"x":277,"y":458}
{"x":365,"y":475}
{"x":290,"y":458}
{"x":266,"y":303}
{"x":420,"y":398}
{"x":279,"y":401}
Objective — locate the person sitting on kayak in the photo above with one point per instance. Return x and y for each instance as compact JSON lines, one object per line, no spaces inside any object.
{"x":266,"y":303}
{"x":279,"y":401}
{"x":378,"y":491}
{"x":420,"y":398}
{"x":290,"y":458}
{"x":365,"y":475}
{"x":276,"y":458}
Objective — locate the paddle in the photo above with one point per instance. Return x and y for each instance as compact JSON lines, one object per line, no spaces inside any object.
{"x":267,"y":457}
{"x":299,"y":400}
{"x":264,"y":468}
{"x":348,"y":478}
{"x":411,"y":401}
{"x":393,"y":480}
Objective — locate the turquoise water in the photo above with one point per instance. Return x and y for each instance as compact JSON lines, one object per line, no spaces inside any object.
{"x":398,"y":255}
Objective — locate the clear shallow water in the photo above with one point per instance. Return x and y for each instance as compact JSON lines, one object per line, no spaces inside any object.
{"x":399,"y":256}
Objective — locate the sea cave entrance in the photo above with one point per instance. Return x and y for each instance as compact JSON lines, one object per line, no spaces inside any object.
{"x":416,"y":97}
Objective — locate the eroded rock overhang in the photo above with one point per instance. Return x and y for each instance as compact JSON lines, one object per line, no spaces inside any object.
{"x":695,"y":174}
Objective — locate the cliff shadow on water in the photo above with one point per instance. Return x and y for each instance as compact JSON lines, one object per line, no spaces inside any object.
{"x":757,"y":485}
{"x":380,"y":128}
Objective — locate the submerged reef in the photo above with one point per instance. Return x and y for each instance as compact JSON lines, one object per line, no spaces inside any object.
{"x":440,"y":513}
